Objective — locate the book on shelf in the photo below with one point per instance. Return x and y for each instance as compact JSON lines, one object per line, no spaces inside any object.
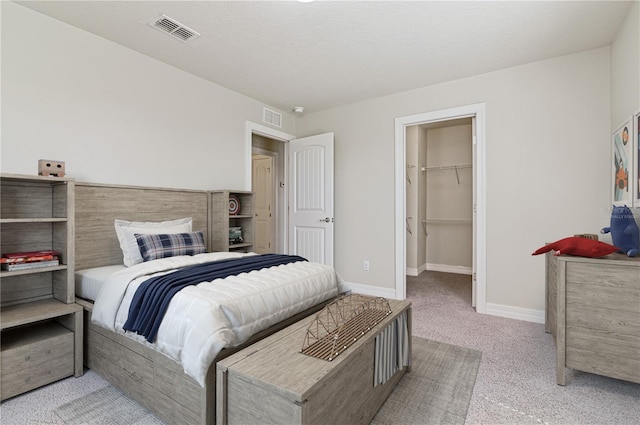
{"x":12,"y":267}
{"x":29,"y":257}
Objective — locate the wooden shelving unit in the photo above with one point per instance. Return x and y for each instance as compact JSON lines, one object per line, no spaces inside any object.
{"x":221,"y":220}
{"x":37,"y":311}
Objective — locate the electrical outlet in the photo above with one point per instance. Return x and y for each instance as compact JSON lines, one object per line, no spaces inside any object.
{"x":365,"y":266}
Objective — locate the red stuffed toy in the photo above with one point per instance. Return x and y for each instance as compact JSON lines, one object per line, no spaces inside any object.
{"x":578,"y":246}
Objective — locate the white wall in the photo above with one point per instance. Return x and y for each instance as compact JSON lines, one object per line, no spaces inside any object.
{"x":625,"y":69}
{"x":421,"y":250}
{"x":112,"y":114}
{"x":416,"y":195}
{"x":413,"y":200}
{"x":625,"y":82}
{"x":116,"y":116}
{"x":547,"y":132}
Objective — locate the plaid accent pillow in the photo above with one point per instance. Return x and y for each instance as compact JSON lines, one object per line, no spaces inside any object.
{"x":154,"y":246}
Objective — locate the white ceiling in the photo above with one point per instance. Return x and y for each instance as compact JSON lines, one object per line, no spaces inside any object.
{"x":329,"y":53}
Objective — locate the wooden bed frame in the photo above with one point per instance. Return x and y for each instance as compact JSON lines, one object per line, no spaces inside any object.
{"x":149,"y":377}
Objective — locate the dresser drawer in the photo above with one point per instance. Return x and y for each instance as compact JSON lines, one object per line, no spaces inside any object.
{"x":34,"y":356}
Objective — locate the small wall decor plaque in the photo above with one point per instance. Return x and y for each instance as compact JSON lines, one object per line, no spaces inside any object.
{"x":47,"y":167}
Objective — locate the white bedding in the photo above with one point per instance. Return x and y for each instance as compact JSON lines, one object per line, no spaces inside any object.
{"x":203,"y":319}
{"x":90,"y":281}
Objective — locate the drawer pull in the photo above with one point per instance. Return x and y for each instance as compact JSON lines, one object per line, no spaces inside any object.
{"x":27,"y":358}
{"x":133,"y":375}
{"x":27,"y":379}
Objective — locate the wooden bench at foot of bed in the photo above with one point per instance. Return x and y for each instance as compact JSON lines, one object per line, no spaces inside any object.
{"x":273,"y":383}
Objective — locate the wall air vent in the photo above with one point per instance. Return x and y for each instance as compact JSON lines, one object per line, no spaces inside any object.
{"x":272,"y":117}
{"x":173,"y":28}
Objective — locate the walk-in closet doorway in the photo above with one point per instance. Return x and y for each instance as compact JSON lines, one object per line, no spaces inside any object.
{"x":440,"y":196}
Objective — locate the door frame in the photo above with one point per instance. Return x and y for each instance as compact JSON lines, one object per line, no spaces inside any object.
{"x":479,"y":173}
{"x":252,"y":128}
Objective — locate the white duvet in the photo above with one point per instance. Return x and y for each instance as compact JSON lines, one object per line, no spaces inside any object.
{"x":203,"y":319}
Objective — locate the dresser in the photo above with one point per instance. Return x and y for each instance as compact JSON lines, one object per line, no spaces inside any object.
{"x":593,"y":312}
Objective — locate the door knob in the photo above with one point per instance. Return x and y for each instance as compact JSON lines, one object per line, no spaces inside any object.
{"x":326,"y":220}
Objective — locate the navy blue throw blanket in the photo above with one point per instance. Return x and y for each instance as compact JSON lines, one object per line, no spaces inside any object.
{"x":151,"y":300}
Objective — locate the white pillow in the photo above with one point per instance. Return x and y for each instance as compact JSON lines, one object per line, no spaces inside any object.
{"x":127,"y":229}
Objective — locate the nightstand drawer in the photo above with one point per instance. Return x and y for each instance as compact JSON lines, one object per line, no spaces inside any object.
{"x":36,"y":376}
{"x":35,"y":355}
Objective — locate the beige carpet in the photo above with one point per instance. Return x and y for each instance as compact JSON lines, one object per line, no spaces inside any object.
{"x":436,"y":391}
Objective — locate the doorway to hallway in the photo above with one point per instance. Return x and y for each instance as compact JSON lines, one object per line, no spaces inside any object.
{"x":267,"y":185}
{"x":304,"y":204}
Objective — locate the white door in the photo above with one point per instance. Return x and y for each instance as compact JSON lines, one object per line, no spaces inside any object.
{"x":311,"y":198}
{"x":264,"y":220}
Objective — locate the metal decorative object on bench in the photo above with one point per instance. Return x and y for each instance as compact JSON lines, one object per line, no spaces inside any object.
{"x":341,"y":323}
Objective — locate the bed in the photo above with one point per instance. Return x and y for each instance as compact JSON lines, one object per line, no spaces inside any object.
{"x":175,"y":378}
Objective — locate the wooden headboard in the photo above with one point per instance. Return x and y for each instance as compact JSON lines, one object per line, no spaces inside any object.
{"x":98,"y":205}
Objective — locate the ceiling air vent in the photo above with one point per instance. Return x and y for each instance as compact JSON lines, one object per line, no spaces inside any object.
{"x":272,"y":117}
{"x":174,"y":28}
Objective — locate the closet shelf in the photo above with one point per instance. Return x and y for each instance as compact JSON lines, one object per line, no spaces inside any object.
{"x":448,"y":167}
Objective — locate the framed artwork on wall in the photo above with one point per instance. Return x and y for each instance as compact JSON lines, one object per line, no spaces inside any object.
{"x":622,"y":165}
{"x":636,"y":150}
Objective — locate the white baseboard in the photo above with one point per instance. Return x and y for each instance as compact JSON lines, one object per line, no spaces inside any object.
{"x":374,"y":291}
{"x":412,"y":271}
{"x":449,"y":269}
{"x":518,"y":313}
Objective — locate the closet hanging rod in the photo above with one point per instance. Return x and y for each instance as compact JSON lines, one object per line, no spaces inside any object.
{"x":446,"y":167}
{"x":448,"y":220}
